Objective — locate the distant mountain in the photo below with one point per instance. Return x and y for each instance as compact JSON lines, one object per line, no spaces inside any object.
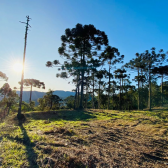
{"x":63,"y":94}
{"x":36,"y":95}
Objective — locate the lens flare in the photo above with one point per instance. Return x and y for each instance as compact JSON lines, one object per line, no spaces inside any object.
{"x":17,"y":67}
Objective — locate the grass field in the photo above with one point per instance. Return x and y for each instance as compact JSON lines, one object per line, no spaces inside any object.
{"x":86,"y":139}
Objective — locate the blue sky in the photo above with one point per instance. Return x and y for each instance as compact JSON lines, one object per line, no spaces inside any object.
{"x":131,"y":25}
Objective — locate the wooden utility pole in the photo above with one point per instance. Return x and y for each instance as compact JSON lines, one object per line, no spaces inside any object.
{"x":22,"y":77}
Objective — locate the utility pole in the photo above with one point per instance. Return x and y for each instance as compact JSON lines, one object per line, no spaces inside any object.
{"x":22,"y":77}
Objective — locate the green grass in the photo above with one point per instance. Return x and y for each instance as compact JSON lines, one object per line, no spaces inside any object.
{"x":56,"y":130}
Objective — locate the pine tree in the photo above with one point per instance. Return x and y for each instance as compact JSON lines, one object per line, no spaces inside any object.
{"x":112,"y":56}
{"x":80,"y":46}
{"x":152,"y":60}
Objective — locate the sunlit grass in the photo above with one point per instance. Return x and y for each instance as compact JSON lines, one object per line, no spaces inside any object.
{"x":14,"y":153}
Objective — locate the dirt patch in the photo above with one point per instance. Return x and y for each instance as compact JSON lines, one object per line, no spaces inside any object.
{"x":103,"y":146}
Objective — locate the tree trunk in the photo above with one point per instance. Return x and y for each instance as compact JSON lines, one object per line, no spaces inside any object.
{"x":83,"y":60}
{"x":86,"y":95}
{"x":149,"y":105}
{"x":109,"y":88}
{"x":75,"y":98}
{"x":122,"y":85}
{"x":120,"y":96}
{"x":93,"y":92}
{"x":51,"y":105}
{"x":162,"y":92}
{"x":81,"y":99}
{"x":76,"y":93}
{"x":78,"y":97}
{"x":142,"y":91}
{"x":113,"y":97}
{"x":30,"y":93}
{"x":8,"y":110}
{"x":138,"y":91}
{"x":99,"y":94}
{"x":122,"y":92}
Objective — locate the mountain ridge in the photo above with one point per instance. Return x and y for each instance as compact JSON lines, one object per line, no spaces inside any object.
{"x":36,"y":94}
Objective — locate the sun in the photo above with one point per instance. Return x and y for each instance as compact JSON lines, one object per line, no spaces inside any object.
{"x":17,"y":67}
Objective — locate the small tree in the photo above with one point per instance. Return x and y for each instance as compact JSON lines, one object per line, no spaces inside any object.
{"x":69,"y":101}
{"x":10,"y":97}
{"x":32,"y":105}
{"x":51,"y":99}
{"x":5,"y":90}
{"x":42,"y":103}
{"x":25,"y":106}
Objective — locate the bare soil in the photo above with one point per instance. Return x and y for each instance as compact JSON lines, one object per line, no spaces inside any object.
{"x":103,"y":144}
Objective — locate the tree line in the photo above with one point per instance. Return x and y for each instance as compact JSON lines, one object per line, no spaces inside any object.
{"x":91,"y":64}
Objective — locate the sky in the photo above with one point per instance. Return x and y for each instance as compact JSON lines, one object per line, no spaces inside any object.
{"x":131,"y":26}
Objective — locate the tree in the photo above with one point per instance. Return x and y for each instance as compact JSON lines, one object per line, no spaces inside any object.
{"x":161,"y":70}
{"x":113,"y":89}
{"x":3,"y":76}
{"x":33,"y":83}
{"x":130,"y":98}
{"x":5,"y":90}
{"x":152,"y":60}
{"x":80,"y":46}
{"x":10,"y":97}
{"x":120,"y":74}
{"x":51,"y":99}
{"x":76,"y":101}
{"x":137,"y":63}
{"x":99,"y":76}
{"x":25,"y":106}
{"x":69,"y":101}
{"x":104,"y":99}
{"x":42,"y":103}
{"x":165,"y":91}
{"x":93,"y":90}
{"x":156,"y":94}
{"x":112,"y":56}
{"x":32,"y":105}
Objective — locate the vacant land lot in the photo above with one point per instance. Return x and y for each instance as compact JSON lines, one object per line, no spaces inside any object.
{"x":91,"y":138}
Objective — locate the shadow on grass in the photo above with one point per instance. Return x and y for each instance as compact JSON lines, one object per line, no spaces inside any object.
{"x":31,"y":155}
{"x":61,"y":115}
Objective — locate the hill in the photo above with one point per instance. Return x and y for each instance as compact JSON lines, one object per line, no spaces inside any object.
{"x":36,"y":95}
